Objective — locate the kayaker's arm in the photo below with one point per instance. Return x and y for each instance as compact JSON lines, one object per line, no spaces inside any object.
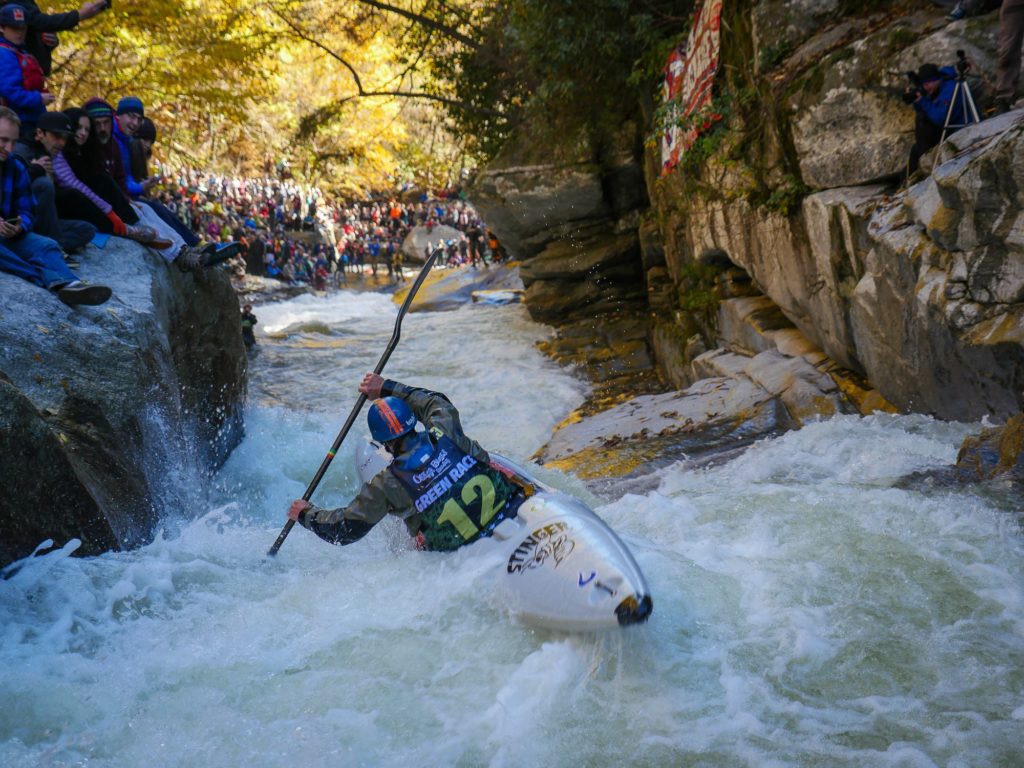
{"x":346,"y":525}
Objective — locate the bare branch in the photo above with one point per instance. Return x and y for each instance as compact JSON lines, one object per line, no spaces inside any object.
{"x":426,"y":21}
{"x":362,"y":92}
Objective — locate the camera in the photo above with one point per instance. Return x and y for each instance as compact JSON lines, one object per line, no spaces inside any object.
{"x":913,"y":91}
{"x":963,"y":64}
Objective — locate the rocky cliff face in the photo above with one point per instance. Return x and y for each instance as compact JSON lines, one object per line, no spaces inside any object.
{"x":788,"y":243}
{"x":110,"y":416}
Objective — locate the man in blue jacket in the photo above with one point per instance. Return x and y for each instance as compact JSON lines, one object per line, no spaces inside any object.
{"x":27,"y":255}
{"x":932,"y":96}
{"x":130,"y":113}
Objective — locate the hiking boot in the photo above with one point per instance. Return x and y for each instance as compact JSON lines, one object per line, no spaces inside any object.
{"x":77,"y":292}
{"x":957,"y":13}
{"x":140,"y":233}
{"x":215,"y":253}
{"x":148,"y":237}
{"x":189,"y":259}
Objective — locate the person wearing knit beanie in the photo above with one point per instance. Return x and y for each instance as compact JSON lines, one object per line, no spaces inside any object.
{"x":130,"y":105}
{"x":97,"y":107}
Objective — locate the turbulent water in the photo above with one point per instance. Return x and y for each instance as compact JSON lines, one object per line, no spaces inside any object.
{"x":806,"y":611}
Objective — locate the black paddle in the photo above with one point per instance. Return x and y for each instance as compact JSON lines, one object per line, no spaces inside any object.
{"x":362,"y":398}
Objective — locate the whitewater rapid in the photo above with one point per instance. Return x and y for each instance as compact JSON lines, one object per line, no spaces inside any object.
{"x":807,"y":611}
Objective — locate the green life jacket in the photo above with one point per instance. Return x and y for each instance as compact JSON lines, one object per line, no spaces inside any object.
{"x":458,"y":498}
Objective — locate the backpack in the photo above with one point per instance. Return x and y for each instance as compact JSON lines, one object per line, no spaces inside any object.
{"x":32,"y":77}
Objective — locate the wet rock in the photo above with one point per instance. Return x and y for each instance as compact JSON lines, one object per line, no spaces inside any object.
{"x":616,"y":347}
{"x":570,"y":259}
{"x":594,"y":276}
{"x":447,"y":289}
{"x":141,"y":396}
{"x":996,"y":453}
{"x":39,"y":477}
{"x":498,"y":296}
{"x":651,"y":431}
{"x":415,"y":244}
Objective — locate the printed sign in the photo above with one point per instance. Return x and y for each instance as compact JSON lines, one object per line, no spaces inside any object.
{"x":689,"y":75}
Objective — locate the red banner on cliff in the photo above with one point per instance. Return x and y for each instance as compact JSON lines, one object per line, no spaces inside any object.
{"x":689,"y":75}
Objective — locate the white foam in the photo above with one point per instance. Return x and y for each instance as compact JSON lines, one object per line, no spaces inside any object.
{"x":805,"y":611}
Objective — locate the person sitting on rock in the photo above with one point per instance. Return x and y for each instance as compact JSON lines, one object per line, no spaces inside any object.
{"x":130,"y":117}
{"x":23,"y":253}
{"x":52,"y":131}
{"x":440,"y":482}
{"x":76,"y":200}
{"x":99,"y":158}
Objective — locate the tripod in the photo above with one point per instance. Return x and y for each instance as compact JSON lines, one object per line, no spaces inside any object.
{"x":962,"y":96}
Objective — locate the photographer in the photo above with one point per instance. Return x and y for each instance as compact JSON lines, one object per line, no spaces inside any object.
{"x":931,"y":93}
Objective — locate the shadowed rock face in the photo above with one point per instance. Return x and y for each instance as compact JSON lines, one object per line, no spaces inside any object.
{"x":112,"y":415}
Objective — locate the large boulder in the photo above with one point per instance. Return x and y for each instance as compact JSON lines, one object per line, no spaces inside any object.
{"x":414,"y":246}
{"x":849,"y":123}
{"x":113,"y":414}
{"x":650,"y":431}
{"x":572,"y":278}
{"x":533,"y":193}
{"x":921,"y":291}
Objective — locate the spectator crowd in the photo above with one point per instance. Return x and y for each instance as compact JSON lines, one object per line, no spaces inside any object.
{"x":73,"y":177}
{"x":293,"y":233}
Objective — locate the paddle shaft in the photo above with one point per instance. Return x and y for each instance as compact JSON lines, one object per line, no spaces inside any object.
{"x":395,"y":336}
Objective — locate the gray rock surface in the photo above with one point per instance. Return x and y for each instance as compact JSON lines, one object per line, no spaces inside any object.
{"x":650,"y":431}
{"x":415,"y":243}
{"x":446,"y":289}
{"x":118,"y":410}
{"x":920,"y":291}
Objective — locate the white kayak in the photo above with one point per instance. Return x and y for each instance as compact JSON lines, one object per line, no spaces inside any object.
{"x":563,"y":567}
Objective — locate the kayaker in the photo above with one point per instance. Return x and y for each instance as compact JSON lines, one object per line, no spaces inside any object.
{"x":440,"y":483}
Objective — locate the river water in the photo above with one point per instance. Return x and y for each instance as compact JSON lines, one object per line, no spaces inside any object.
{"x":806,"y":611}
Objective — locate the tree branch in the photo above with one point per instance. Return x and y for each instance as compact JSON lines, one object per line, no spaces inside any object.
{"x":362,"y":92}
{"x":426,"y":21}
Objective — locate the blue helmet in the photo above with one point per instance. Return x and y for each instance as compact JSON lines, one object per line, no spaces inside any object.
{"x":390,"y":418}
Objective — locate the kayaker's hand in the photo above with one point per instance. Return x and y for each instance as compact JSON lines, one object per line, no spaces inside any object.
{"x":370,"y":385}
{"x":297,"y":508}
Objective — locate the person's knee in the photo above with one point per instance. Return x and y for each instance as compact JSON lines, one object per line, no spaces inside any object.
{"x":43,"y":189}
